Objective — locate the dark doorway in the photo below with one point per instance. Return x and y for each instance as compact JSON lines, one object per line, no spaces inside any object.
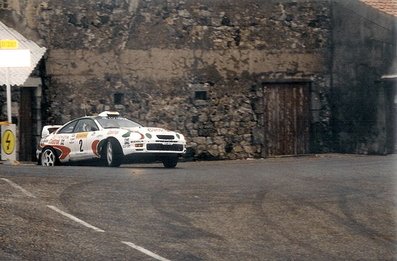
{"x":26,"y":143}
{"x":391,"y":116}
{"x":286,"y":118}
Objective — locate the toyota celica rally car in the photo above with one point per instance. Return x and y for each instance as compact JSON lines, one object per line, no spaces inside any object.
{"x":110,"y":139}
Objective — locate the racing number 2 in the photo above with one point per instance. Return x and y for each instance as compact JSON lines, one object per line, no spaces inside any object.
{"x":81,"y":145}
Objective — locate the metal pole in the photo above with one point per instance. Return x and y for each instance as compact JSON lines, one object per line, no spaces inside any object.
{"x":8,"y":96}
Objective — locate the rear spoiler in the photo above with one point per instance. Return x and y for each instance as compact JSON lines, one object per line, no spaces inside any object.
{"x":48,"y":129}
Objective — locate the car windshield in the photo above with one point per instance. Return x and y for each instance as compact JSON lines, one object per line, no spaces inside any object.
{"x":109,"y":123}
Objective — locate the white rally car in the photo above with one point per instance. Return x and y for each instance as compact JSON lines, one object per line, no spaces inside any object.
{"x":110,"y":139}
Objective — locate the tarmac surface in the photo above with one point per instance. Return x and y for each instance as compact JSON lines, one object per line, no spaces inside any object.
{"x":320,"y":207}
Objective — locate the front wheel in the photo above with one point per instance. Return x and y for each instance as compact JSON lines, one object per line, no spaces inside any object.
{"x":113,"y":153}
{"x":170,"y":161}
{"x":48,"y":158}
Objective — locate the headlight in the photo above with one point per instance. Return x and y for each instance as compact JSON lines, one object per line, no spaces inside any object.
{"x":127,"y":134}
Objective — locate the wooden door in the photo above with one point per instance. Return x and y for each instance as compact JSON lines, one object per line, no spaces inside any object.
{"x":286,"y":118}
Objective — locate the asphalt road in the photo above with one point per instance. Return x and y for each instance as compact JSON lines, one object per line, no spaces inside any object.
{"x":329,"y":207}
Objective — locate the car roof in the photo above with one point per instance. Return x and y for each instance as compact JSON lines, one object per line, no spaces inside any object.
{"x":102,"y":115}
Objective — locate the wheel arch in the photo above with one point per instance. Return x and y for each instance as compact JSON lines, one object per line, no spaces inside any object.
{"x":57,"y":151}
{"x":102,"y":145}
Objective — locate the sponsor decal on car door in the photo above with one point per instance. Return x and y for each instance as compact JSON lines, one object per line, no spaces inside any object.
{"x":63,"y":146}
{"x":84,"y":136}
{"x":82,"y":145}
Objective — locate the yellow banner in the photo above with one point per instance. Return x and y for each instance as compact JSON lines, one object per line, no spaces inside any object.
{"x":9,"y":44}
{"x":81,"y":135}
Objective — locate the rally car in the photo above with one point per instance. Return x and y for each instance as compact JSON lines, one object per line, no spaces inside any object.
{"x":110,"y":139}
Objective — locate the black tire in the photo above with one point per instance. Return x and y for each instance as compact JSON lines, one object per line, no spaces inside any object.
{"x":170,"y":161}
{"x":113,"y":153}
{"x":49,"y":157}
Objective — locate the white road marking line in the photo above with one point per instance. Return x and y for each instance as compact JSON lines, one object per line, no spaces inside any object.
{"x":141,"y":249}
{"x":75,"y":219}
{"x":145,"y":251}
{"x":24,"y":191}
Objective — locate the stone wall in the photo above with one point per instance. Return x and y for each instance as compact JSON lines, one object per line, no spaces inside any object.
{"x":195,"y":66}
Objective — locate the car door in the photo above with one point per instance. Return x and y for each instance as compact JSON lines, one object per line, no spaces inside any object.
{"x":65,"y":141}
{"x":84,"y":136}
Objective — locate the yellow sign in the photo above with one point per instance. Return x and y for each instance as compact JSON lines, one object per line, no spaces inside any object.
{"x":8,"y":142}
{"x":9,"y":44}
{"x":81,"y":135}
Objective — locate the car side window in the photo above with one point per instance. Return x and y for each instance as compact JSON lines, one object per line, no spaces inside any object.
{"x":86,"y":125}
{"x":68,"y":128}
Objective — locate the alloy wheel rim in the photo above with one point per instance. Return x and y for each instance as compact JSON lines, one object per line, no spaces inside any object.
{"x":48,"y":158}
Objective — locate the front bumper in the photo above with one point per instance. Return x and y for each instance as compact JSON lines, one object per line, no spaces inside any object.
{"x":154,"y":148}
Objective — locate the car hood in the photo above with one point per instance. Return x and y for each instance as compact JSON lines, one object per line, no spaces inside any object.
{"x":151,"y":130}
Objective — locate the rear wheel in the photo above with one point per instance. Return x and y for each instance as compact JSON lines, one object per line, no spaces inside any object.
{"x":170,"y":161}
{"x":114,"y":154}
{"x":49,"y":158}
